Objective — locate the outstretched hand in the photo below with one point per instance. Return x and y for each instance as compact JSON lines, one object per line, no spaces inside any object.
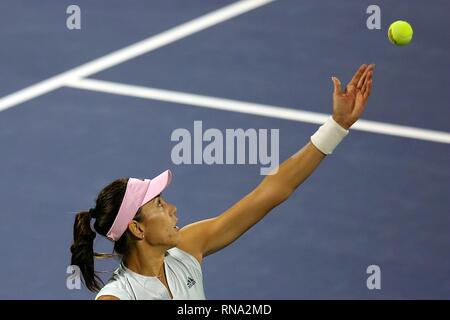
{"x":348,"y":105}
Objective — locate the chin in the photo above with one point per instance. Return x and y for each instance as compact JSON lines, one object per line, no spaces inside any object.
{"x":174,"y":242}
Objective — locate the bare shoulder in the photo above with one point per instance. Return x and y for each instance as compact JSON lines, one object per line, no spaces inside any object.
{"x":186,"y":248}
{"x":107,"y":297}
{"x":188,"y":242}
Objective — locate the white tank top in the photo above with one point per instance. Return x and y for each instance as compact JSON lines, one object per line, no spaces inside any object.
{"x":183,"y":273}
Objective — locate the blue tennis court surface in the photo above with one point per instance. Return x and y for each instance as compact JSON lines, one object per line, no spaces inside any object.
{"x":381,"y":199}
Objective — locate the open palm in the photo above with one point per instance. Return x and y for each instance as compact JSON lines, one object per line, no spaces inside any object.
{"x":348,"y":105}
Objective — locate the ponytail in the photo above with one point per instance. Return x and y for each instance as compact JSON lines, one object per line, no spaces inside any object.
{"x":83,"y":250}
{"x":107,"y":206}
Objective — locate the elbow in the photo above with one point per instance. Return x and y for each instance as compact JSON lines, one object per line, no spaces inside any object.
{"x":282,"y":195}
{"x":277,"y":197}
{"x":274,"y":193}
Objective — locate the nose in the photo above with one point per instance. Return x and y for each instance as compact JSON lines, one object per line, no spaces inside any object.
{"x":174,"y":213}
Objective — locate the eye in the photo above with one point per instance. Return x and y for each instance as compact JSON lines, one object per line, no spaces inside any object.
{"x":159,"y":204}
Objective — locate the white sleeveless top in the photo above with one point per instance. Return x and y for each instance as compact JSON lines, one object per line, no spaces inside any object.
{"x":183,"y":273}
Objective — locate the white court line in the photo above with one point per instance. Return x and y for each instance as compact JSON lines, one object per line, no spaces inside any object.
{"x":132,"y":51}
{"x":253,"y":108}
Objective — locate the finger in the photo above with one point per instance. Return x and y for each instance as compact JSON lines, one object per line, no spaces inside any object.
{"x":337,"y":85}
{"x":365,"y":92}
{"x":357,"y":75}
{"x":361,"y":81}
{"x":368,"y":91}
{"x":364,"y":87}
{"x":366,"y":80}
{"x":364,"y":84}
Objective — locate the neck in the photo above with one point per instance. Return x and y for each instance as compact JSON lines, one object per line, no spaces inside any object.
{"x":146,"y":260}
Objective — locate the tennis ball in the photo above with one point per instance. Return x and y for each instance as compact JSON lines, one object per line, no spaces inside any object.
{"x":400,"y":33}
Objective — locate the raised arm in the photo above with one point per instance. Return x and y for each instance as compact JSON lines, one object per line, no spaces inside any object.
{"x":208,"y":236}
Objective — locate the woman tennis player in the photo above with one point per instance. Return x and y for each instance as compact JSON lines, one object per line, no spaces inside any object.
{"x":161,"y":261}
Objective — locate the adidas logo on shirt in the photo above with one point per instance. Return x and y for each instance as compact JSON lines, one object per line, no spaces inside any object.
{"x":190,"y":282}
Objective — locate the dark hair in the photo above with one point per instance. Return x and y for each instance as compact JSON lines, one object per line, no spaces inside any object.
{"x":106,"y":208}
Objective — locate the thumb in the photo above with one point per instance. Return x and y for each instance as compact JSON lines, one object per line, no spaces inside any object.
{"x":337,"y":85}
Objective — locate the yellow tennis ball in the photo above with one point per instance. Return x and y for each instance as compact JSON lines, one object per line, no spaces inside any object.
{"x":400,"y":33}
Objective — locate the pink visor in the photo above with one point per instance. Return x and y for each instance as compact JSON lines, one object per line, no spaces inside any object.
{"x":138,"y":193}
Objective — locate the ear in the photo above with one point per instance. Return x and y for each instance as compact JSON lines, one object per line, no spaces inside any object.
{"x":136,"y":229}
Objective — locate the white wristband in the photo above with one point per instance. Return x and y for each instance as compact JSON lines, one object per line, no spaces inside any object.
{"x":329,"y":135}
